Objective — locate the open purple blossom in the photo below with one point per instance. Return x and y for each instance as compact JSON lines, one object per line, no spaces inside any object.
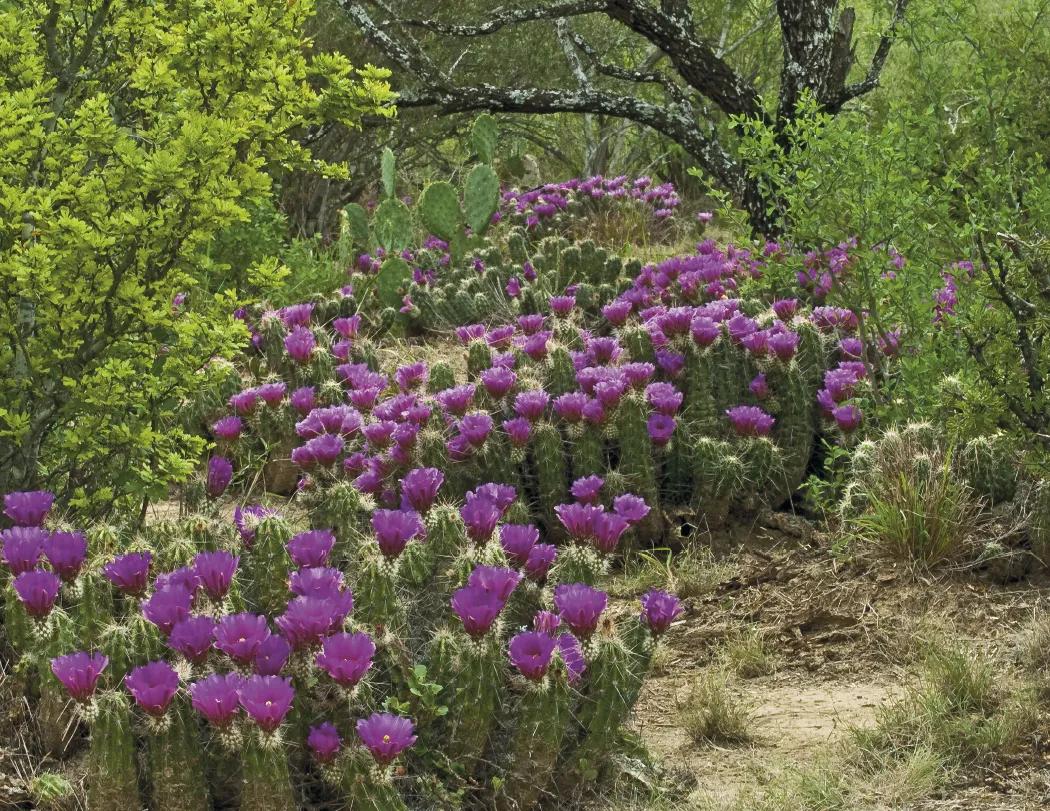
{"x":311,"y":548}
{"x":28,"y":508}
{"x":631,"y":507}
{"x":847,"y":417}
{"x":271,"y":655}
{"x":562,"y":305}
{"x":530,"y":405}
{"x":244,"y":402}
{"x":470,"y":332}
{"x":184,"y":578}
{"x":546,"y":622}
{"x":79,"y":672}
{"x":578,"y":519}
{"x":316,"y":581}
{"x":852,"y":348}
{"x":499,"y":581}
{"x":267,"y":700}
{"x":660,"y":428}
{"x":517,"y":541}
{"x":659,"y":610}
{"x":617,"y":312}
{"x":346,"y":657}
{"x":216,"y":698}
{"x":518,"y":430}
{"x":456,"y":400}
{"x":758,"y":386}
{"x":530,"y":652}
{"x":386,"y":736}
{"x":750,"y":420}
{"x":240,"y":635}
{"x":607,"y":530}
{"x":66,"y":552}
{"x":419,"y":488}
{"x":580,"y":607}
{"x":588,"y":489}
{"x":272,"y":393}
{"x":220,"y":472}
{"x":307,"y":619}
{"x":347,"y":327}
{"x":165,"y":607}
{"x":37,"y":590}
{"x":193,"y":637}
{"x":296,"y":315}
{"x":477,"y":608}
{"x":480,"y":516}
{"x":379,"y":434}
{"x":303,"y":399}
{"x":541,"y":558}
{"x":395,"y":528}
{"x":342,"y":420}
{"x":228,"y":428}
{"x":570,"y":406}
{"x":664,"y":398}
{"x":22,"y":547}
{"x":500,"y":337}
{"x":215,"y":572}
{"x":783,"y":344}
{"x":475,"y":428}
{"x":324,"y":742}
{"x":247,"y":520}
{"x":498,"y":381}
{"x":322,"y":450}
{"x":705,"y":330}
{"x":129,"y":573}
{"x":785,"y":308}
{"x":535,"y":346}
{"x":530,"y":323}
{"x":411,"y":375}
{"x":670,"y":363}
{"x":153,"y":686}
{"x":571,"y":653}
{"x":300,"y":344}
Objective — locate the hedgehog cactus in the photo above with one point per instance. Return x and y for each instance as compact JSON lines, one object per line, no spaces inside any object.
{"x":112,"y":777}
{"x":177,"y":763}
{"x":636,"y":458}
{"x":477,"y":685}
{"x":266,"y":782}
{"x":267,"y":572}
{"x":990,"y":467}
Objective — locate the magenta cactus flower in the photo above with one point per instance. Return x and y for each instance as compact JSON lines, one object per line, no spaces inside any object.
{"x":660,"y":428}
{"x":580,"y":607}
{"x":272,"y":393}
{"x":664,"y":398}
{"x":631,"y":507}
{"x":79,"y":673}
{"x":759,"y":386}
{"x":638,"y":374}
{"x":193,"y":637}
{"x":659,"y":610}
{"x":411,"y":376}
{"x":153,"y":686}
{"x":480,"y":516}
{"x":530,"y":652}
{"x":303,"y":399}
{"x":165,"y":607}
{"x":541,"y":558}
{"x":346,"y":657}
{"x":271,"y":655}
{"x":518,"y":430}
{"x":216,"y":698}
{"x":546,"y":622}
{"x":750,"y":420}
{"x":300,"y":344}
{"x":607,"y":530}
{"x":500,"y":582}
{"x":617,"y":312}
{"x":311,"y":548}
{"x":323,"y":450}
{"x":215,"y":572}
{"x":307,"y":619}
{"x":847,"y":417}
{"x":562,"y":305}
{"x":228,"y":428}
{"x":498,"y":381}
{"x":394,"y":529}
{"x":266,"y":700}
{"x":477,"y":608}
{"x":785,"y":308}
{"x":588,"y":489}
{"x":66,"y":552}
{"x":783,"y":344}
{"x":324,"y":742}
{"x":37,"y":590}
{"x":530,"y":405}
{"x":571,"y":653}
{"x":456,"y":400}
{"x":129,"y":573}
{"x":578,"y":519}
{"x":296,"y":315}
{"x":23,"y":547}
{"x":28,"y":508}
{"x":476,"y":427}
{"x":220,"y":473}
{"x":851,"y":348}
{"x":419,"y":488}
{"x":535,"y":345}
{"x":705,"y":330}
{"x":347,"y":327}
{"x":518,"y":540}
{"x":244,"y":402}
{"x":386,"y":736}
{"x":184,"y":578}
{"x":240,"y":635}
{"x":570,"y":406}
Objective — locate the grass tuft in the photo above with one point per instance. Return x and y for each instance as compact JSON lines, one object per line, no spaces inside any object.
{"x":714,"y":713}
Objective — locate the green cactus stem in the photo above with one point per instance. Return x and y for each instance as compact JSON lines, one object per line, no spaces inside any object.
{"x":379,"y":580}
{"x":478,"y":684}
{"x":588,"y":452}
{"x":112,"y":778}
{"x":368,"y":786}
{"x":266,"y":783}
{"x":268,"y":565}
{"x":479,"y":358}
{"x":636,"y":460}
{"x":177,"y":763}
{"x":441,"y":377}
{"x":561,"y":374}
{"x":990,"y":467}
{"x":549,"y":456}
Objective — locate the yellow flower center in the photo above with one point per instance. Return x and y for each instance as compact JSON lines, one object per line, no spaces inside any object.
{"x":386,"y":739}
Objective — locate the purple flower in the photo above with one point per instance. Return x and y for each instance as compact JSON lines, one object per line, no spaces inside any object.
{"x":347,"y":327}
{"x":783,"y":344}
{"x":671,"y":363}
{"x":167,"y":606}
{"x":299,"y":344}
{"x":28,"y":508}
{"x":851,"y":348}
{"x":578,"y":519}
{"x":457,"y":399}
{"x":664,"y":397}
{"x":215,"y":572}
{"x":321,"y":450}
{"x":267,"y":700}
{"x":518,"y":430}
{"x":193,"y":637}
{"x":572,"y":655}
{"x":79,"y":672}
{"x":477,"y":608}
{"x":705,"y":330}
{"x":535,"y":346}
{"x":530,"y":405}
{"x":847,"y":417}
{"x":411,"y":376}
{"x":570,"y":406}
{"x":475,"y":428}
{"x":498,"y":381}
{"x":631,"y":507}
{"x":517,"y":541}
{"x":394,"y":529}
{"x":785,"y":308}
{"x":750,"y":420}
{"x":638,"y":374}
{"x":244,"y":402}
{"x":272,"y":393}
{"x":324,"y":742}
{"x":531,"y":323}
{"x":296,"y":315}
{"x":247,"y":520}
{"x":541,"y":558}
{"x":500,"y":582}
{"x":660,"y":428}
{"x":562,"y":305}
{"x":271,"y":655}
{"x":617,"y":312}
{"x":530,"y":652}
{"x":386,"y":736}
{"x":37,"y":590}
{"x":303,"y":399}
{"x":759,"y":387}
{"x":129,"y":573}
{"x":470,"y":332}
{"x":311,"y":548}
{"x":23,"y":547}
{"x":318,"y":581}
{"x":607,"y":530}
{"x":153,"y":686}
{"x":587,"y":489}
{"x":480,"y":515}
{"x":419,"y":488}
{"x":240,"y":635}
{"x":346,"y":657}
{"x":659,"y":610}
{"x":220,"y":472}
{"x":580,"y":607}
{"x":307,"y":619}
{"x":216,"y":698}
{"x":228,"y":428}
{"x":546,"y":622}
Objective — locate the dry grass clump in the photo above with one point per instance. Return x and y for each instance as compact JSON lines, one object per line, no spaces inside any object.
{"x":714,"y":713}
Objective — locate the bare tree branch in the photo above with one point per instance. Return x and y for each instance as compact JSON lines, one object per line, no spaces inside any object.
{"x":570,"y":8}
{"x":878,"y":62}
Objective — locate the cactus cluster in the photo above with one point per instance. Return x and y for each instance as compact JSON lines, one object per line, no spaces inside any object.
{"x":377,"y":661}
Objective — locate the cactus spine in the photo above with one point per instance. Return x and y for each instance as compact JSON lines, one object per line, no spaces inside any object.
{"x":478,"y":684}
{"x":112,"y":779}
{"x":266,"y":783}
{"x":268,"y":566}
{"x":177,"y":763}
